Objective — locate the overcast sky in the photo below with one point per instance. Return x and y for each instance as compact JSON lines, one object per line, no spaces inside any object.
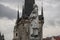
{"x":8,"y":12}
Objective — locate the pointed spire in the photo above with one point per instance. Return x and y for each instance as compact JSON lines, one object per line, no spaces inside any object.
{"x":42,"y":11}
{"x":42,"y":8}
{"x":28,"y":7}
{"x":17,"y":15}
{"x":29,"y":2}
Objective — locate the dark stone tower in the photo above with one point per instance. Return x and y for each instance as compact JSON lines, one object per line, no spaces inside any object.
{"x":28,"y":7}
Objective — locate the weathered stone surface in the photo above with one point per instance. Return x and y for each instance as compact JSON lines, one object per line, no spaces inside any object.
{"x":29,"y":26}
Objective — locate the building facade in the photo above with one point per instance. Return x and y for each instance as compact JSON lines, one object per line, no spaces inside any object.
{"x":52,"y":38}
{"x":29,"y":26}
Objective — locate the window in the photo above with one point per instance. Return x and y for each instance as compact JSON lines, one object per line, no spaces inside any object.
{"x":16,"y":34}
{"x":35,"y":31}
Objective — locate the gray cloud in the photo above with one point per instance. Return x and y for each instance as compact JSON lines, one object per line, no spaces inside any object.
{"x":7,"y":12}
{"x":12,"y":1}
{"x":6,"y":28}
{"x":51,"y":12}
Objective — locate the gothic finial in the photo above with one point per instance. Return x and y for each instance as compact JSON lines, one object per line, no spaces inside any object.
{"x":42,"y":11}
{"x":17,"y":15}
{"x":42,"y":8}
